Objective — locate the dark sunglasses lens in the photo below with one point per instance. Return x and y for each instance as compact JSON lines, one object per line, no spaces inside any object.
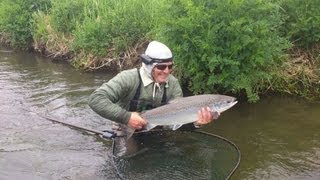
{"x":163,"y":66}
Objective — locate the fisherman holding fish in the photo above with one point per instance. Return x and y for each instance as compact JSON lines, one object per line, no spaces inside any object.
{"x":122,"y":98}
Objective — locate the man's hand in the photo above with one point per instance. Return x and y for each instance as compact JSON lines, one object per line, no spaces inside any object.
{"x":136,"y":121}
{"x":205,"y":116}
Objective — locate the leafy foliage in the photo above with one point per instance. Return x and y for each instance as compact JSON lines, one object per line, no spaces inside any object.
{"x":302,"y":23}
{"x":15,"y":19}
{"x":225,"y":45}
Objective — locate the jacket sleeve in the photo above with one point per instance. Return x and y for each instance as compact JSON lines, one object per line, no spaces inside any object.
{"x":104,"y":99}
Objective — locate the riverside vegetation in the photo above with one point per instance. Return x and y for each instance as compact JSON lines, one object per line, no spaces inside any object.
{"x":241,"y":47}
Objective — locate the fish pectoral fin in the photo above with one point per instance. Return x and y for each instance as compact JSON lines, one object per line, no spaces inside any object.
{"x":150,"y":126}
{"x":176,"y":126}
{"x":130,"y":132}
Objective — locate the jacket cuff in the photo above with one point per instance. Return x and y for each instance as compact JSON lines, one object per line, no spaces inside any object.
{"x":126,"y":118}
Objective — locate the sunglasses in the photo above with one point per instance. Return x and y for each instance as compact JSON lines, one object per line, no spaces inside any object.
{"x":163,"y":66}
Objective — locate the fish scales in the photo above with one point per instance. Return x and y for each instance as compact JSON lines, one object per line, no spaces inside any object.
{"x":184,"y":110}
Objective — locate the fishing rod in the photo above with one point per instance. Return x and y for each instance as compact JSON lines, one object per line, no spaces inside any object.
{"x":105,"y":133}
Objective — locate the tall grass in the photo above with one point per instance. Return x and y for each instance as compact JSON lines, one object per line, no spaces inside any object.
{"x":116,"y":25}
{"x":113,"y":30}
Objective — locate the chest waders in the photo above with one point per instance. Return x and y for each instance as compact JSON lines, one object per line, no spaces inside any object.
{"x":134,"y":103}
{"x":137,"y":105}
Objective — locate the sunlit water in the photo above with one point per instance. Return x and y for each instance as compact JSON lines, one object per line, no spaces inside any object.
{"x":279,"y":137}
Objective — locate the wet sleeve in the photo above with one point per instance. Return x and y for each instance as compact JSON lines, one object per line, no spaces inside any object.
{"x":103,"y":100}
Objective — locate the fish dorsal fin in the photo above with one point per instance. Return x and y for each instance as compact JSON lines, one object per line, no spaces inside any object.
{"x":176,"y":126}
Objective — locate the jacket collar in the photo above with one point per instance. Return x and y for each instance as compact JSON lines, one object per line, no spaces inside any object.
{"x":146,"y":80}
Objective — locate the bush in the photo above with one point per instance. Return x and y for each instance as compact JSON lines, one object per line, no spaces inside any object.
{"x":224,"y":45}
{"x":302,"y":23}
{"x":15,"y":19}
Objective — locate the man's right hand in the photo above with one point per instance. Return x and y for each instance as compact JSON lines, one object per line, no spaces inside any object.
{"x":136,"y":121}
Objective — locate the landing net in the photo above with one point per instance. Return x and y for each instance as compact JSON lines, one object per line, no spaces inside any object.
{"x":176,"y":155}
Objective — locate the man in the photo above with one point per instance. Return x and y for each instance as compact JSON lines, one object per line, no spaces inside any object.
{"x":135,"y":90}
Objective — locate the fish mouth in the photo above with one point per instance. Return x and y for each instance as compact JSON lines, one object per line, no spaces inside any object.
{"x":225,"y":105}
{"x":231,"y":100}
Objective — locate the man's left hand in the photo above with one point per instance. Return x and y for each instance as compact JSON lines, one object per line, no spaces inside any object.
{"x":205,"y":116}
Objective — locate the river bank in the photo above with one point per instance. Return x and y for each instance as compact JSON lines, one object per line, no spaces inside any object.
{"x":298,"y":76}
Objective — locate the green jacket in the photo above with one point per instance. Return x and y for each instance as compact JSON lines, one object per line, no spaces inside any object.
{"x":112,"y":99}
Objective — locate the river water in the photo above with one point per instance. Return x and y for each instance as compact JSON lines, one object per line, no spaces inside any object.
{"x":279,"y":137}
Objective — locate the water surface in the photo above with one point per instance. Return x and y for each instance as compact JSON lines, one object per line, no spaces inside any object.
{"x":279,"y":137}
{"x":34,"y":148}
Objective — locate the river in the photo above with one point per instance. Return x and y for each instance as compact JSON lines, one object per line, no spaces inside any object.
{"x":279,"y":137}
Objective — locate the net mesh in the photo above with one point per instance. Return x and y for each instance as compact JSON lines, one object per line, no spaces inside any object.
{"x":176,"y":155}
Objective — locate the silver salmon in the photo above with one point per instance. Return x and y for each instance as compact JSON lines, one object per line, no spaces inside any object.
{"x":184,"y":110}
